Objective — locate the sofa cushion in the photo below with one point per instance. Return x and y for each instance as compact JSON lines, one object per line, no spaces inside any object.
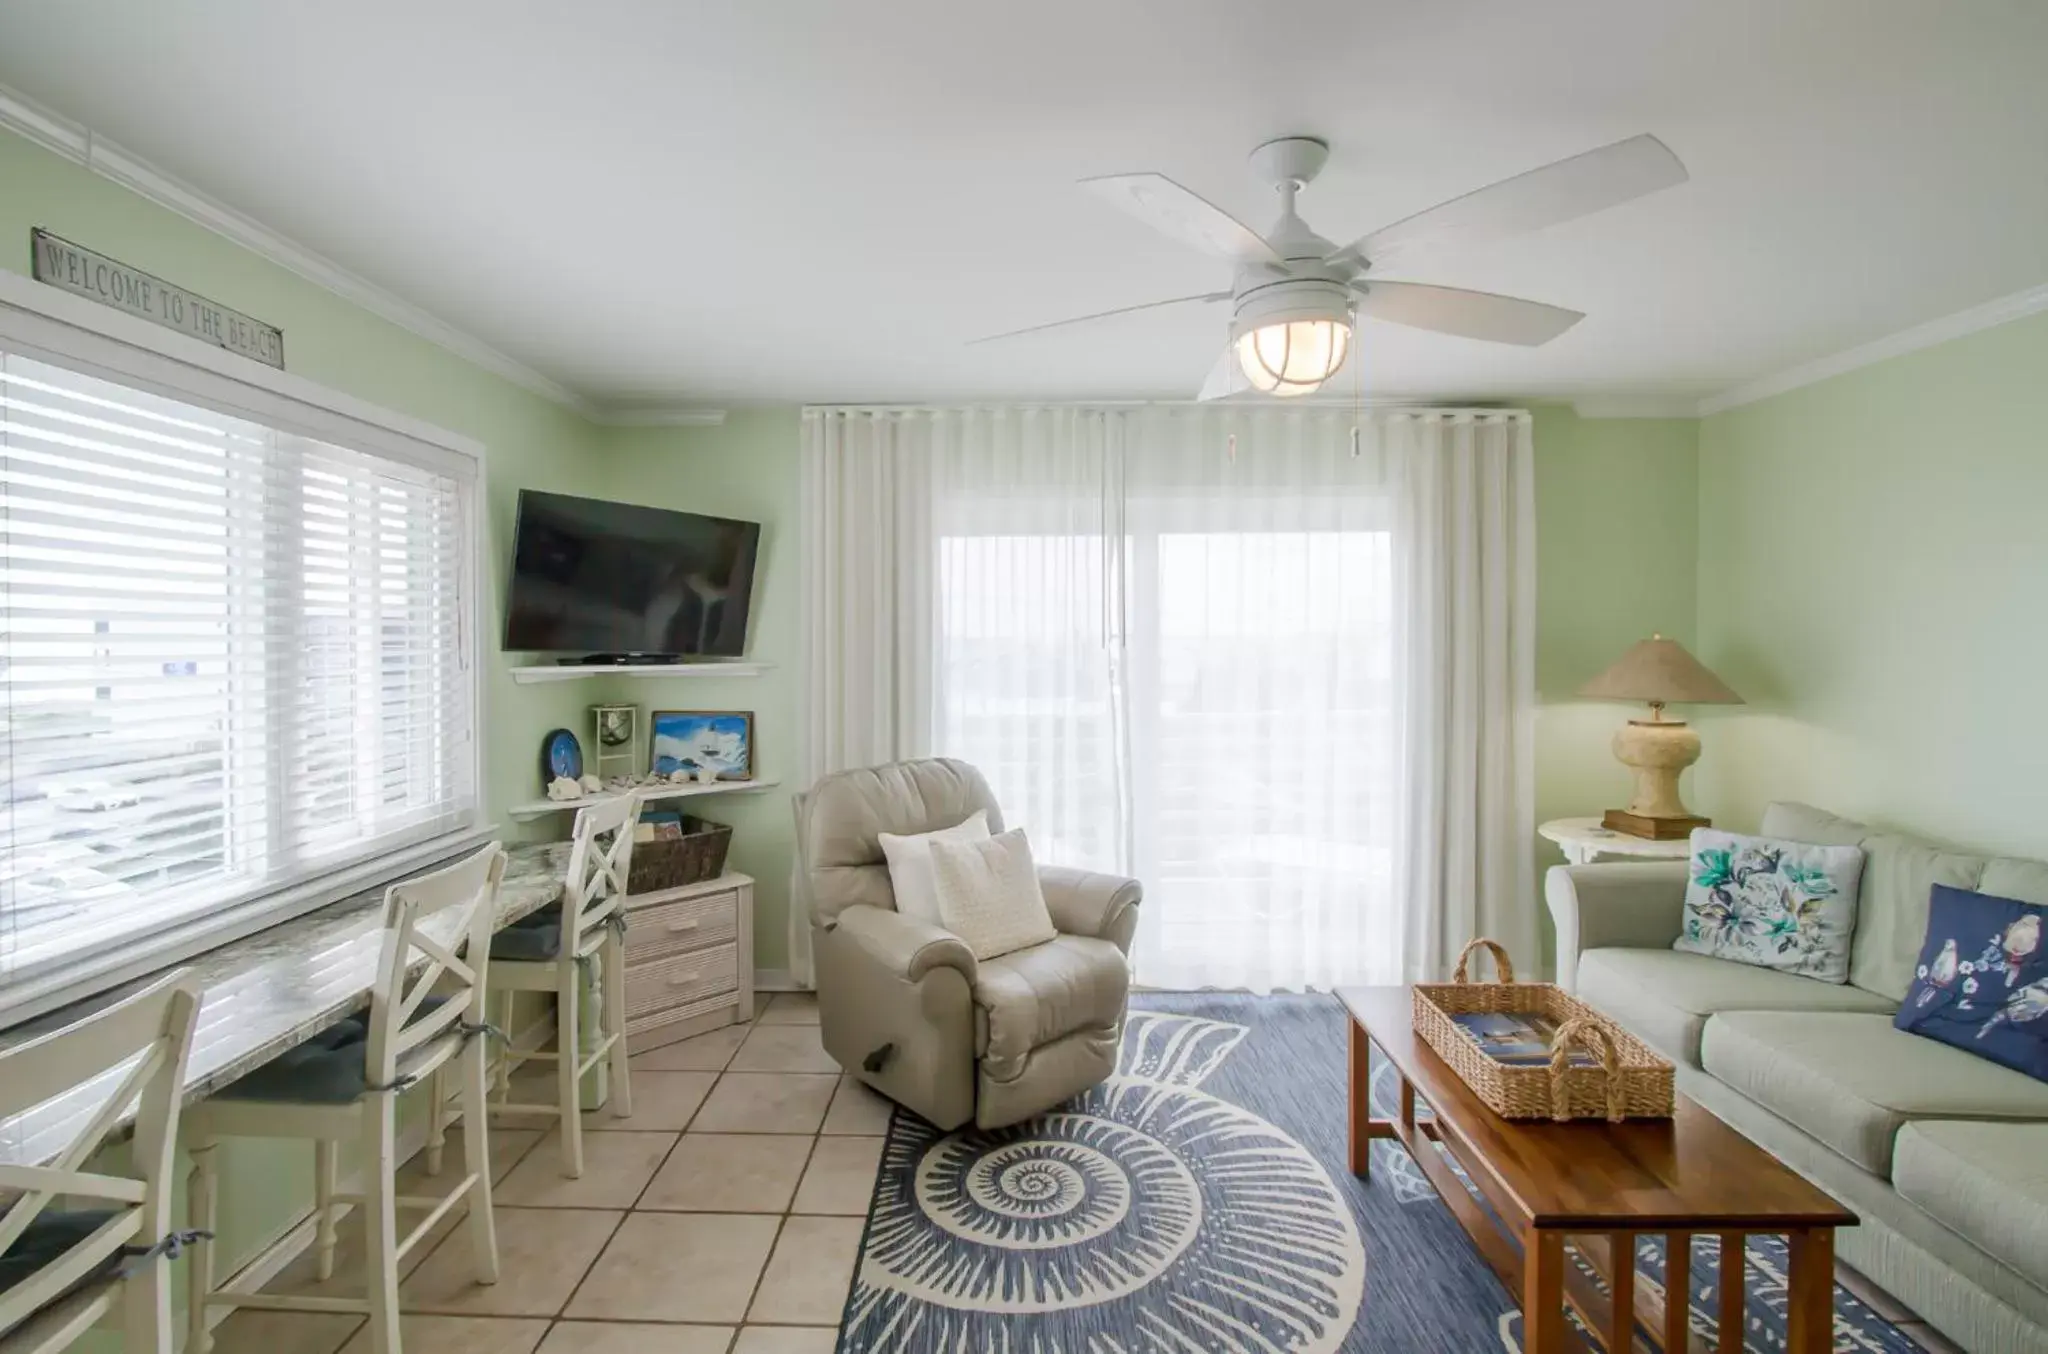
{"x":1850,"y":1081}
{"x":1986,"y":1182}
{"x":1899,"y":875}
{"x":1031,"y":997}
{"x":1803,"y":823}
{"x":1665,"y":996}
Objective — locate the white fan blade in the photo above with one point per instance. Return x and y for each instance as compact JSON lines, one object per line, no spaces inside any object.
{"x":1187,"y":216}
{"x":1572,"y":188}
{"x":1469,"y":314}
{"x":1205,"y":298}
{"x":1226,"y":378}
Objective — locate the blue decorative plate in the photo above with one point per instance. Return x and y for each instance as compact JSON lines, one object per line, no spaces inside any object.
{"x":560,"y":755}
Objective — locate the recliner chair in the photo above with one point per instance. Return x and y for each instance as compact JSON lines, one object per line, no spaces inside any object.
{"x":904,"y":1006}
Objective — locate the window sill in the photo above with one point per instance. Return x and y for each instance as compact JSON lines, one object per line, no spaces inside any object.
{"x":61,"y":984}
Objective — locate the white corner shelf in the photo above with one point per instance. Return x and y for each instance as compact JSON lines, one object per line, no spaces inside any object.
{"x":541,"y":808}
{"x":571,"y":672}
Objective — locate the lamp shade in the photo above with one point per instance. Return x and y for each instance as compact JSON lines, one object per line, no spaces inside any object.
{"x":1660,"y":671}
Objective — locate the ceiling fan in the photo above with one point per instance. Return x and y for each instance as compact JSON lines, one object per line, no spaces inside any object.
{"x":1296,"y":296}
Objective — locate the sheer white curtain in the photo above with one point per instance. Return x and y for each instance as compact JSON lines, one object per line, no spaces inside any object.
{"x":1277,"y":670}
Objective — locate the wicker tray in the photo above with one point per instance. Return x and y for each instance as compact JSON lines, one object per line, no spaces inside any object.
{"x":1631,"y":1081}
{"x":697,"y":855}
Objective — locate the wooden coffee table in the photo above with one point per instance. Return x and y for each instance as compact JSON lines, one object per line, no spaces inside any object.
{"x":1595,"y":1186}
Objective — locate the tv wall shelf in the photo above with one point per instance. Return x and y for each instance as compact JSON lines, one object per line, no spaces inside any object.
{"x":540,"y":808}
{"x":571,"y":672}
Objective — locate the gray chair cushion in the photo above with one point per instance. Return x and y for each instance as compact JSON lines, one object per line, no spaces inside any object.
{"x":1029,"y":998}
{"x":532,"y":939}
{"x":328,"y":1069}
{"x":47,"y":1238}
{"x":1665,"y":996}
{"x":1851,"y":1081}
{"x":1987,"y":1182}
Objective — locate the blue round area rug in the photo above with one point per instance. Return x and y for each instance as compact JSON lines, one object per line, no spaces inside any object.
{"x":1199,"y":1201}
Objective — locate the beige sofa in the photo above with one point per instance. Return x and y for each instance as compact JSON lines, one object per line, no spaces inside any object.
{"x":1943,"y":1155}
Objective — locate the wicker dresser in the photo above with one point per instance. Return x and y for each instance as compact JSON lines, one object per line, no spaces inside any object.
{"x":689,"y":960}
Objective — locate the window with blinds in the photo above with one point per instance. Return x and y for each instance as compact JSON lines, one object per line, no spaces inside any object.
{"x":233,"y":660}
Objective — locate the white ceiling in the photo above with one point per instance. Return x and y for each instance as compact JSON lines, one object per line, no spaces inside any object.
{"x":815,"y":200}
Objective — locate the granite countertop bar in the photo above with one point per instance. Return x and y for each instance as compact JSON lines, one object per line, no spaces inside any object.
{"x":264,"y":994}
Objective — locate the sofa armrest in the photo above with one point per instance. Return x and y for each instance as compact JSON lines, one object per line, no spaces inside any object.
{"x":1084,"y":903}
{"x":903,"y":945}
{"x":1636,"y":904}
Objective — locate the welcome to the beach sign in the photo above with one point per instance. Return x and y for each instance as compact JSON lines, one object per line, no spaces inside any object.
{"x":96,"y":277}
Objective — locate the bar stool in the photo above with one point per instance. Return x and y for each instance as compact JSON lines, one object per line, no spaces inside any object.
{"x":62,"y":1272}
{"x":343,"y":1085}
{"x":547,"y":952}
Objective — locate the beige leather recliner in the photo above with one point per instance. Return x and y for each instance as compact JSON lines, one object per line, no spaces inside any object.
{"x":904,"y":1006}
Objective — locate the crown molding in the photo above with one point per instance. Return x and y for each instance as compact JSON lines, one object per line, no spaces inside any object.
{"x":658,"y":416}
{"x":76,"y":142}
{"x":1990,"y":315}
{"x":1637,"y":406}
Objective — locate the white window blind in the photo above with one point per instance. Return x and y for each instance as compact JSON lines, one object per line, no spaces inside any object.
{"x":234,"y":659}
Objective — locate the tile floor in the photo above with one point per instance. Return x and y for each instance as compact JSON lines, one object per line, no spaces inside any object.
{"x":746,"y":1166}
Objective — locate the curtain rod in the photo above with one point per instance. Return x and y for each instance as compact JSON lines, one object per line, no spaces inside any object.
{"x":1400,"y":410}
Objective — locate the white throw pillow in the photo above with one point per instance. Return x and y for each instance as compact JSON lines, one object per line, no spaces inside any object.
{"x":1789,"y":906}
{"x":910,"y":864}
{"x":989,"y":894}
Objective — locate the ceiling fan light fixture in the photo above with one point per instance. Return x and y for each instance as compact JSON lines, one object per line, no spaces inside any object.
{"x":1293,"y":357}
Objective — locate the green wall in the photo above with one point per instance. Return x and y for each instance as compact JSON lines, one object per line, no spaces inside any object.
{"x":1873,"y":564}
{"x":745,"y":468}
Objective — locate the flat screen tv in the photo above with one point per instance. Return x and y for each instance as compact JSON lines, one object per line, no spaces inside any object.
{"x":617,"y":582}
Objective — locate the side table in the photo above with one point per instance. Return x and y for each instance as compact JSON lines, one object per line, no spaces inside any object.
{"x":1583,"y":841}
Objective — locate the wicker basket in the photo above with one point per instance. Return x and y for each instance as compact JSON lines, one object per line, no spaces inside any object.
{"x":697,"y":855}
{"x":1631,"y":1081}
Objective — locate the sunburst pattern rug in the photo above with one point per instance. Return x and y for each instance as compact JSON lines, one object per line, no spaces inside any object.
{"x":1199,"y":1201}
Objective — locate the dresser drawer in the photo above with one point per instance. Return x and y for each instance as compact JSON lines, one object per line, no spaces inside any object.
{"x":694,"y":980}
{"x":672,"y":928}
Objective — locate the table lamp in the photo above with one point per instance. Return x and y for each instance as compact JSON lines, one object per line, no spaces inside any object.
{"x":1656,"y":750}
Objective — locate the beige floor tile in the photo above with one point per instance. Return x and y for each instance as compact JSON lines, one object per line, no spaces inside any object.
{"x":807,"y":1277}
{"x":857,"y":1110}
{"x":542,"y":1253}
{"x":677,"y":1267}
{"x":729,"y":1173}
{"x":509,"y":1147}
{"x":283,"y":1333}
{"x":705,"y":1053}
{"x":787,"y":1340}
{"x":783,"y":1048}
{"x":616,"y":1167}
{"x":624,"y":1337}
{"x":840,"y":1177}
{"x":461,"y":1335}
{"x":766,"y":1102}
{"x":660,"y":1100}
{"x":790,"y":1008}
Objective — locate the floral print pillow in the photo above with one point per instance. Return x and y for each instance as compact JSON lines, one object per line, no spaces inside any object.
{"x":1982,"y":980}
{"x":1784,"y":905}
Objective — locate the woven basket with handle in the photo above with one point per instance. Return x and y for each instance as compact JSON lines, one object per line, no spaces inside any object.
{"x":1629,"y":1081}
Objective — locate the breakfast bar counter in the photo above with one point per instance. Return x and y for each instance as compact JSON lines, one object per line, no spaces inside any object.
{"x":264,"y":994}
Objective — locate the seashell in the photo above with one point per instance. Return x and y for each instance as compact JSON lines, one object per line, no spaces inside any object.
{"x":562,"y":788}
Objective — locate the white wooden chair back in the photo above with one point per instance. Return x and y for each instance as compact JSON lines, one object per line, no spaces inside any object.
{"x":446,"y":917}
{"x":595,"y":888}
{"x":138,"y":1047}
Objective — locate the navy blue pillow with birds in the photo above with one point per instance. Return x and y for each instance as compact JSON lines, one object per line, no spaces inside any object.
{"x":1982,"y":980}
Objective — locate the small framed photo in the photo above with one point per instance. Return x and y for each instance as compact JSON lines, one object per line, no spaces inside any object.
{"x":695,"y":741}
